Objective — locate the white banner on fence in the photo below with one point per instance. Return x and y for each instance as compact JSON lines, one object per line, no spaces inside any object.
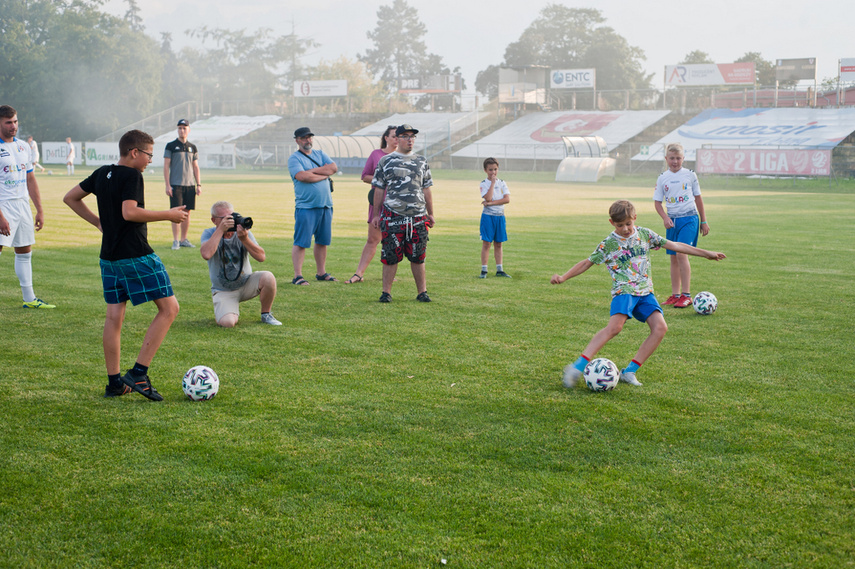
{"x":56,"y":152}
{"x":710,"y":74}
{"x":540,"y":135}
{"x":847,"y":69}
{"x":765,"y":161}
{"x":334,"y":88}
{"x":793,"y":128}
{"x":573,"y":79}
{"x":101,"y":153}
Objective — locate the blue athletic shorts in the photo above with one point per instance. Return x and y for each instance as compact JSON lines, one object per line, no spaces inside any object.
{"x":493,"y":228}
{"x":685,"y":230}
{"x":139,"y":280}
{"x":315,"y":221}
{"x":638,"y":307}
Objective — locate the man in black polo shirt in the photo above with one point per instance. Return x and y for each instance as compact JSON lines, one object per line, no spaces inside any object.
{"x":183,"y":180}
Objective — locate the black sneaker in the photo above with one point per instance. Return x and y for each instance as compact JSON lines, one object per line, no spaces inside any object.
{"x":142,"y":385}
{"x":385,"y":297}
{"x":116,"y":391}
{"x":423,"y":297}
{"x":503,"y":274}
{"x":483,"y":275}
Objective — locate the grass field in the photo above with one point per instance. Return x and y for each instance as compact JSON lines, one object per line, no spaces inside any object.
{"x":365,"y":435}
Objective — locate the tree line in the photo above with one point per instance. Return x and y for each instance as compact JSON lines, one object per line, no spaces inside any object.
{"x":70,"y":69}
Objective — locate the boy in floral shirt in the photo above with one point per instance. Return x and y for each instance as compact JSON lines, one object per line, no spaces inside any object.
{"x":626,"y":253}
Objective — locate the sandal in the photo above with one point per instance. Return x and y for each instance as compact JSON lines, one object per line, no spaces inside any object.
{"x":326,"y":277}
{"x":354,"y":279}
{"x":299,"y":280}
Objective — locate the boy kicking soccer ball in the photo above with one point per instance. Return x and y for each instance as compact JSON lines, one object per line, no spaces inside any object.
{"x":626,"y":253}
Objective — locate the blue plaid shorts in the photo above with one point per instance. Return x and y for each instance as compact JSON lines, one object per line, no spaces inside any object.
{"x":139,"y":280}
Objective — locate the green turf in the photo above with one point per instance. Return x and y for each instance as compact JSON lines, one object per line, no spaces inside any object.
{"x":363,"y":435}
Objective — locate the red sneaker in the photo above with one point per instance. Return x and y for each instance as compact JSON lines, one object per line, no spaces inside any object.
{"x":683,"y":301}
{"x":671,"y":299}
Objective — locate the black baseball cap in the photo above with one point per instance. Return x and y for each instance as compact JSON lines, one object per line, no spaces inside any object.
{"x":183,"y":122}
{"x":303,"y":131}
{"x":405,"y":128}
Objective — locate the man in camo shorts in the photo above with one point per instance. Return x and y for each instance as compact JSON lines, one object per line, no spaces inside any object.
{"x":403,"y":211}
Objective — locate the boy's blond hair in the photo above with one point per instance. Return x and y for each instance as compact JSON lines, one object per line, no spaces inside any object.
{"x":622,"y":210}
{"x":674,"y":147}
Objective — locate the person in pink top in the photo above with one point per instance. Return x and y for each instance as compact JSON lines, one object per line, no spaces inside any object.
{"x":388,"y":144}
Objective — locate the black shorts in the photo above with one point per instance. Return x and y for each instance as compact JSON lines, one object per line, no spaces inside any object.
{"x":403,"y":236}
{"x":183,"y":195}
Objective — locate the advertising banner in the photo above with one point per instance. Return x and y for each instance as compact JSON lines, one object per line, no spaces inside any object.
{"x":795,"y":69}
{"x":763,"y":161}
{"x":847,"y":69}
{"x":333,"y":88}
{"x":56,"y":152}
{"x":102,"y":153}
{"x":710,"y":74}
{"x":573,"y":79}
{"x":793,"y":128}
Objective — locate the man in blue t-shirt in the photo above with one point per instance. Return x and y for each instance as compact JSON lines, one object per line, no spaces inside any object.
{"x":310,"y":171}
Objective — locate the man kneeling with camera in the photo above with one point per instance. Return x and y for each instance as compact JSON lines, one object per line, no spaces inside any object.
{"x":227,"y":247}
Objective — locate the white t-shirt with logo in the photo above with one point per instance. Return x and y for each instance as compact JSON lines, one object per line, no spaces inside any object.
{"x":500,"y":190}
{"x":677,"y":191}
{"x":16,"y":161}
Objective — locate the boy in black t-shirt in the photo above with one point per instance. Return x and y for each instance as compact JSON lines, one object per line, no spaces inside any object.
{"x":130,"y":270}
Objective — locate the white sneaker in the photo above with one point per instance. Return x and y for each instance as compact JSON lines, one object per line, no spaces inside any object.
{"x":176,"y":245}
{"x":185,"y":243}
{"x":629,"y":377}
{"x":571,"y":376}
{"x":269,"y":319}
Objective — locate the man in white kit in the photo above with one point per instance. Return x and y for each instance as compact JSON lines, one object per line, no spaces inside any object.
{"x":17,"y":186}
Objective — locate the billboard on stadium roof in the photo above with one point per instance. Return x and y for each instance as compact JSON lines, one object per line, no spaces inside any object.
{"x":847,"y":69}
{"x":573,"y":79}
{"x":710,"y":74}
{"x":795,"y":69}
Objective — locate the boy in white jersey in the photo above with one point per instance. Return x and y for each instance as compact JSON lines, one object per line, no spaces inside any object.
{"x":17,"y":186}
{"x":679,"y":190}
{"x":494,"y":196}
{"x":626,"y":253}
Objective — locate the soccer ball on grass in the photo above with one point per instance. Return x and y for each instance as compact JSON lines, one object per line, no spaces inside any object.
{"x":601,"y":375}
{"x":705,"y":303}
{"x":200,"y":383}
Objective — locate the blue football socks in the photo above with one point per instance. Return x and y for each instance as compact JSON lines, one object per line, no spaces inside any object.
{"x":581,"y":363}
{"x":632,"y":367}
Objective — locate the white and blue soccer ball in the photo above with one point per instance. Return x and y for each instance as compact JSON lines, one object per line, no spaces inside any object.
{"x":705,"y":303}
{"x":200,"y":383}
{"x":601,"y":374}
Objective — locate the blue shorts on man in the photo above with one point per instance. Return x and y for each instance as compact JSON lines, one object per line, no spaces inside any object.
{"x":312,"y":221}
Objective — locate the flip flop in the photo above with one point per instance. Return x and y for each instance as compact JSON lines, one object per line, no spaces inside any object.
{"x":354,"y":279}
{"x":326,"y":277}
{"x":299,"y":280}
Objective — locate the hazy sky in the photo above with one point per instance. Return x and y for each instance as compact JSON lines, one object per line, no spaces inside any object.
{"x":473,"y":34}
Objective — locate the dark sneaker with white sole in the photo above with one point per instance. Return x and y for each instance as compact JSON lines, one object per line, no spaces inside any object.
{"x":385,"y":297}
{"x":423,"y":297}
{"x":142,"y":385}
